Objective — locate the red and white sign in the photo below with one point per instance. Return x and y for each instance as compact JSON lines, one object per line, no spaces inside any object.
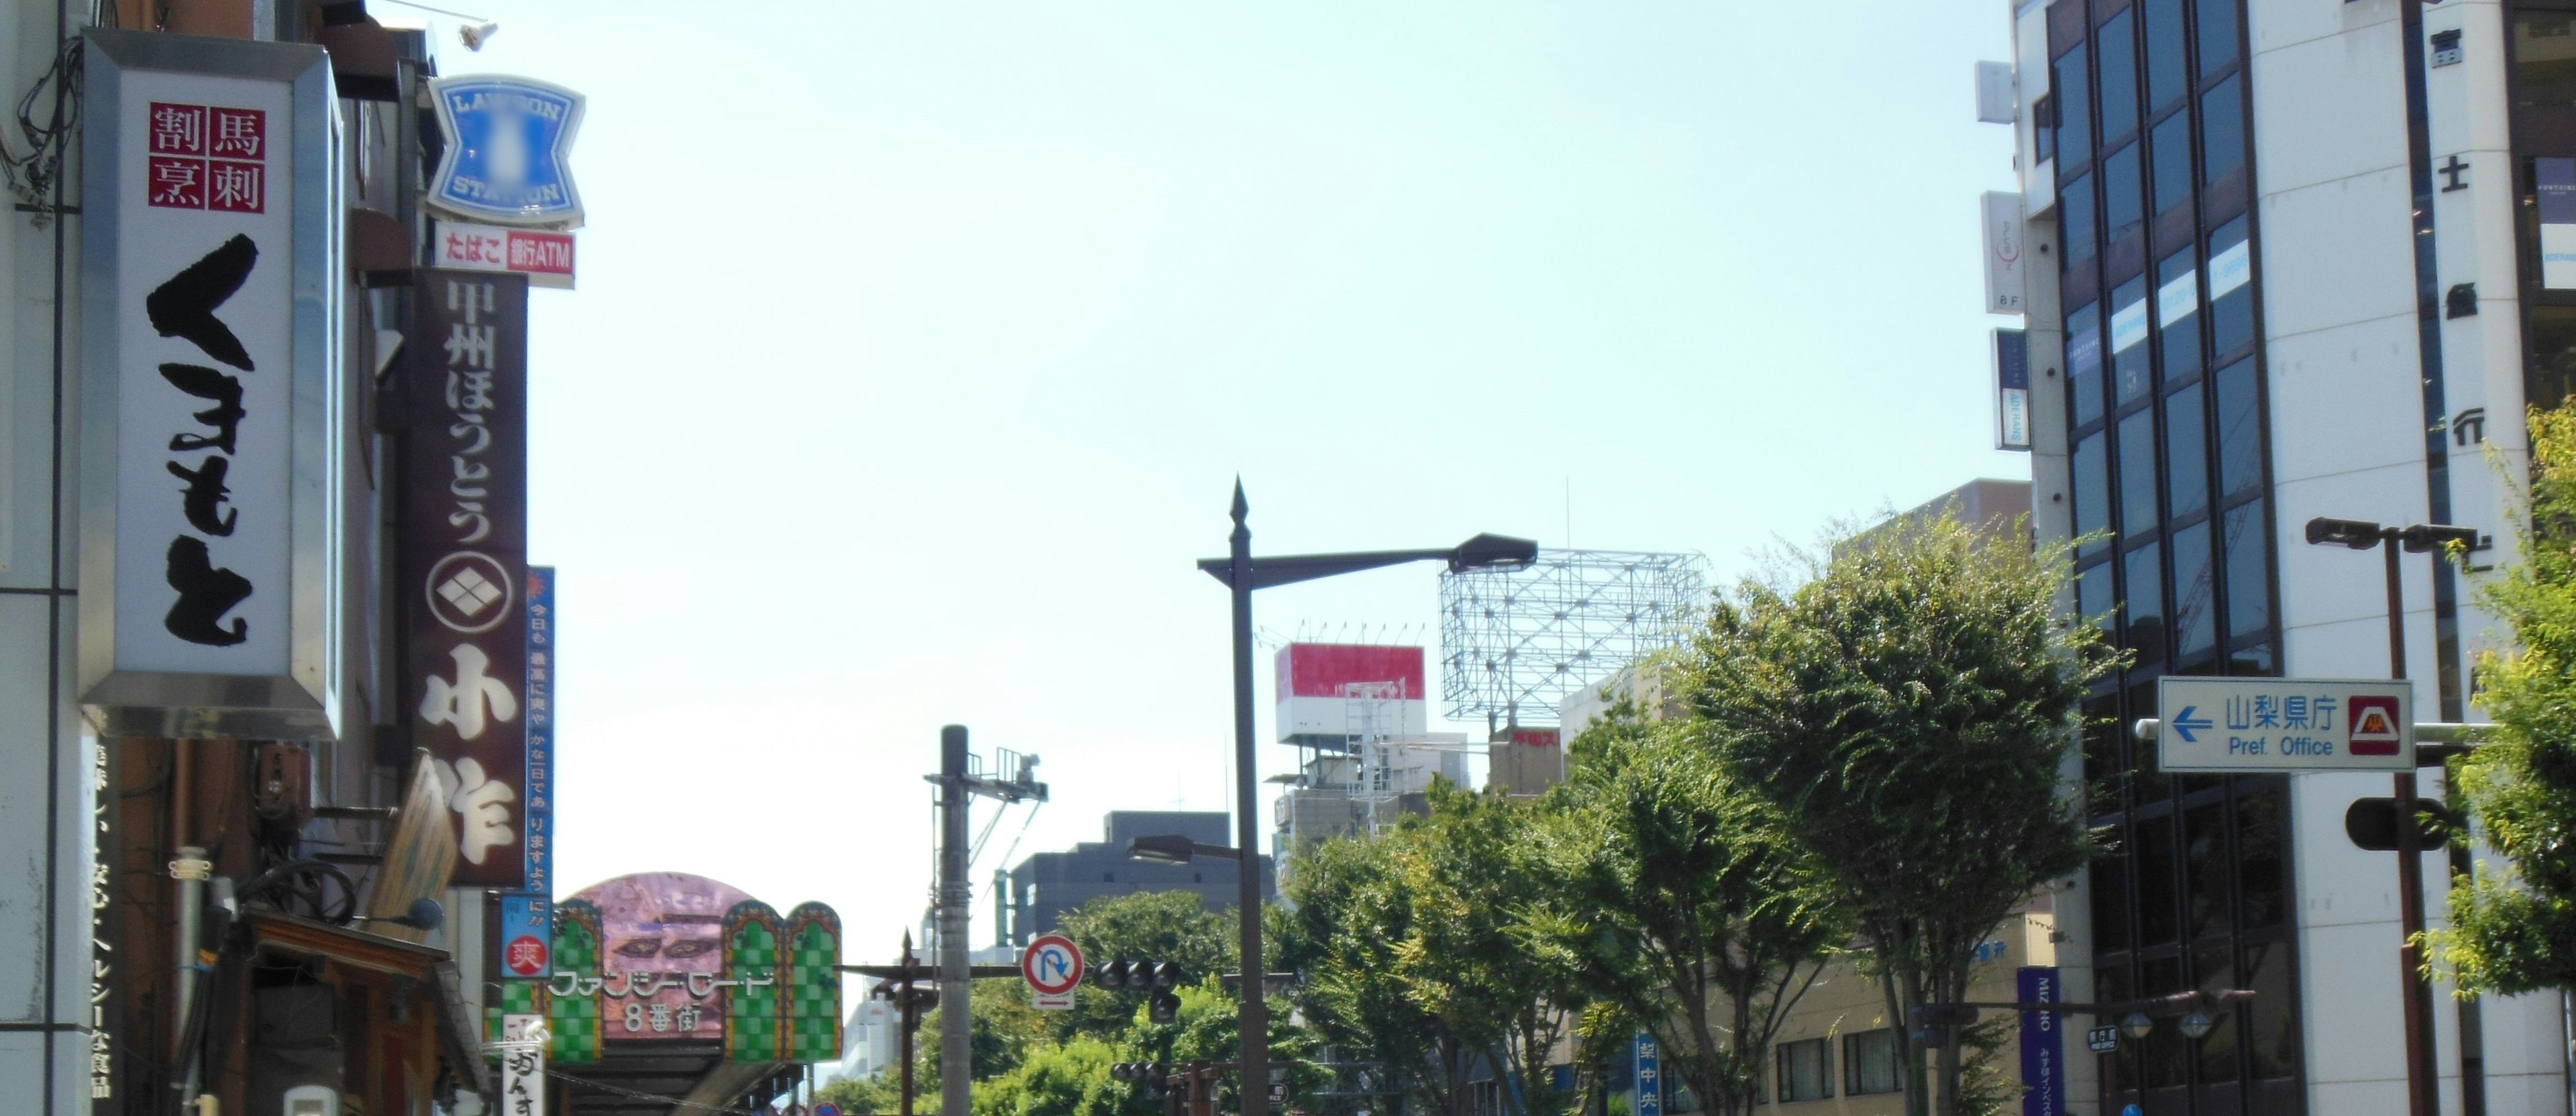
{"x":1331,"y":692}
{"x":546,"y":258}
{"x":2376,"y":729}
{"x":1053,"y":967}
{"x":524,"y":957}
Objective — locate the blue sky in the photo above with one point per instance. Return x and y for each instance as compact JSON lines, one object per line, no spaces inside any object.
{"x":917,"y":347}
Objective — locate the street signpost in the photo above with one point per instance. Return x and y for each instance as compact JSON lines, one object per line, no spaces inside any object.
{"x":2246,"y":725}
{"x":1053,"y":966}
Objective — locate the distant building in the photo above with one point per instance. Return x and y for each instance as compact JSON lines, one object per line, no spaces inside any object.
{"x":1048,"y":884}
{"x":872,"y":1039}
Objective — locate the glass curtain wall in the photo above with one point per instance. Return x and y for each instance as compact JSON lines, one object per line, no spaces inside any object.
{"x":2170,"y":484}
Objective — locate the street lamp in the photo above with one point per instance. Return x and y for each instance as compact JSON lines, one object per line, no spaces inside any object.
{"x":1242,"y":573}
{"x":2419,"y":538}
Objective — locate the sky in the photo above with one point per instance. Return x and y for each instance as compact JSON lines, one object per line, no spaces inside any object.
{"x":917,"y":348}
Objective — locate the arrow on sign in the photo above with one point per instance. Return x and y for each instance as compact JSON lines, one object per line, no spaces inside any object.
{"x":2185,"y":724}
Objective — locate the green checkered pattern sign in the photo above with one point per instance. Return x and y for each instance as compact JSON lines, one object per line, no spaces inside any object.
{"x":518,"y":997}
{"x":813,"y":984}
{"x":574,"y":1020}
{"x":751,"y":953}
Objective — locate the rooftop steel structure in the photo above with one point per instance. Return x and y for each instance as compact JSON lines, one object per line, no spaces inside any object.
{"x":1516,"y":642}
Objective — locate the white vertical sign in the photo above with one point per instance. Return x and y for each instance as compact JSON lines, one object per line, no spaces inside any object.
{"x":523,"y":1065}
{"x":210,"y":585}
{"x":2004,"y":251}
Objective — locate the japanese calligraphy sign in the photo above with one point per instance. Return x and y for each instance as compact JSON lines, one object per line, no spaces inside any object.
{"x":526,"y":948}
{"x":523,"y":1066}
{"x":544,"y":257}
{"x":2285,"y":724}
{"x":509,"y":142}
{"x":1650,"y":1077}
{"x":537,"y":817}
{"x":464,"y":559}
{"x":211,"y":580}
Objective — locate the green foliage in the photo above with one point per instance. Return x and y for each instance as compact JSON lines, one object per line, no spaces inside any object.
{"x":864,"y":1096}
{"x":1071,"y":1079}
{"x":1906,"y":708}
{"x":1409,"y":955}
{"x":2515,"y":931}
{"x":1680,"y":902}
{"x":1142,"y":926}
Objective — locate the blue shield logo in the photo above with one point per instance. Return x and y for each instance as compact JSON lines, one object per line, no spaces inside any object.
{"x":508,"y":145}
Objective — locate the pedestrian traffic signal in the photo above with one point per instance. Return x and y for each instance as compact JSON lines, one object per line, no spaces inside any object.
{"x":2372,"y":824}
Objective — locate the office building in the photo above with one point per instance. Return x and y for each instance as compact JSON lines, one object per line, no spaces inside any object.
{"x":2281,"y":260}
{"x":1048,"y":884}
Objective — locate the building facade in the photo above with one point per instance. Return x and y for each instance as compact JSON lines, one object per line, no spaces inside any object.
{"x":1048,"y":884}
{"x":2286,"y":259}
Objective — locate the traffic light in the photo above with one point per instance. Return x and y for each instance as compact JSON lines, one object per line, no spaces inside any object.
{"x":1112,"y":976}
{"x":1159,"y":978}
{"x":2372,"y":824}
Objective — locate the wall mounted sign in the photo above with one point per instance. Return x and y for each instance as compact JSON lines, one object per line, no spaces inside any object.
{"x":2004,"y":250}
{"x":211,"y":580}
{"x":527,"y":937}
{"x":2012,"y":390}
{"x":2555,"y":180}
{"x":464,"y":558}
{"x":537,"y":818}
{"x":546,"y":258}
{"x":509,"y":142}
{"x":2043,"y":1044}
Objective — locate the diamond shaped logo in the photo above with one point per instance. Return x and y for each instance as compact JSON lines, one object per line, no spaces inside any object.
{"x":469,"y":592}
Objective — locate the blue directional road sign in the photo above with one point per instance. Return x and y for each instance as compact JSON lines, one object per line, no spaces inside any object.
{"x":2241,"y":725}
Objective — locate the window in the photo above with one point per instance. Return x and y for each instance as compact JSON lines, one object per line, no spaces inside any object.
{"x":2249,"y":571}
{"x":2240,"y":430}
{"x":2553,"y":354}
{"x":2111,"y":900}
{"x":2116,"y":46}
{"x":2222,"y":131}
{"x":2217,"y":21}
{"x":2043,"y":112}
{"x":1802,"y":1070}
{"x":2084,"y":363}
{"x":2092,"y":491}
{"x":2138,"y":475}
{"x":2186,"y":454}
{"x":2544,"y":58}
{"x":2178,"y":314}
{"x":2075,"y":108}
{"x":2144,"y":580}
{"x":1869,"y":1062}
{"x":2195,"y":612}
{"x":2231,"y":288}
{"x":2129,"y":371}
{"x":2154,"y":864}
{"x":2168,"y":78}
{"x":2169,"y":152}
{"x":2075,"y":220}
{"x":2123,"y":211}
{"x":2093,"y":593}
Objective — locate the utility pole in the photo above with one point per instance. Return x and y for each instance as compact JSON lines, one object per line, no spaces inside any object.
{"x":958,"y":785}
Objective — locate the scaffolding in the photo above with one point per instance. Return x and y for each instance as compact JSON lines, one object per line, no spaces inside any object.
{"x":1517,"y":642}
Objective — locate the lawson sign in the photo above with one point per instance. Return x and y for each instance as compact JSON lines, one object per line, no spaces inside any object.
{"x":509,"y":144}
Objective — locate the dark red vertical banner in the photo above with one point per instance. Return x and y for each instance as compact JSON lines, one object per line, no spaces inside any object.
{"x":465,"y":558}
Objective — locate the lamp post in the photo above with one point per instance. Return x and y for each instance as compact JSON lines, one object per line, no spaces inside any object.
{"x":1242,"y":573}
{"x":2357,"y":534}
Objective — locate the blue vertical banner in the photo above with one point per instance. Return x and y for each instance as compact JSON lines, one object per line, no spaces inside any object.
{"x":1650,"y":1077}
{"x":539,"y":812}
{"x":2043,"y":1061}
{"x":527,"y":937}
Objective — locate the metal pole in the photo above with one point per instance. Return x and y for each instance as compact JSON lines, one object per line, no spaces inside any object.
{"x":1252,"y":1069}
{"x":2420,"y":1080}
{"x":956,"y":1051}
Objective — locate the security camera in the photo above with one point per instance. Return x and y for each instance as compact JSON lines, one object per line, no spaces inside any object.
{"x":475,"y":33}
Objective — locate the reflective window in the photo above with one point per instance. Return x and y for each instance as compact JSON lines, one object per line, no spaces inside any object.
{"x":2075,"y":220}
{"x":2217,"y":24}
{"x":2130,"y":375}
{"x":2115,"y":50}
{"x":2259,"y":858}
{"x":2068,"y":83}
{"x":2231,"y":288}
{"x":2186,"y":454}
{"x":2093,"y":593}
{"x":2084,"y":363}
{"x":2222,"y":130}
{"x":2240,"y":430}
{"x":2544,"y":58}
{"x":2138,"y":473}
{"x":2169,"y":153}
{"x":2154,"y":865}
{"x":2195,"y":609}
{"x":2143,"y":578}
{"x":2092,"y":489}
{"x":2168,"y":78}
{"x":2178,"y":314}
{"x":2248,"y":553}
{"x":2123,"y":211}
{"x":2110,"y":886}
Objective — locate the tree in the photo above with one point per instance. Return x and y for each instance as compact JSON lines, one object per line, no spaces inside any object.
{"x":1142,"y":926}
{"x":2515,"y":931}
{"x":1681,"y":902}
{"x":1906,"y":707}
{"x":1338,"y":930}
